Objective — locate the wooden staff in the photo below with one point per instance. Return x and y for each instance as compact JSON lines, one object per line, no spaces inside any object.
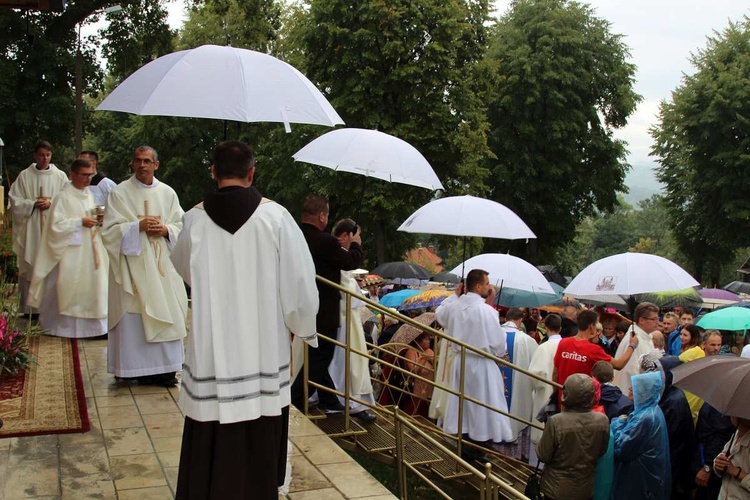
{"x":41,"y":212}
{"x":93,"y":247}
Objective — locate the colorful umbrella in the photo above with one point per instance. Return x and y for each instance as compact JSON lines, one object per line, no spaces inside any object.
{"x":430,"y":298}
{"x":394,"y":299}
{"x":407,"y":333}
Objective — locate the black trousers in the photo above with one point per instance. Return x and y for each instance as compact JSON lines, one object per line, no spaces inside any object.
{"x":319,"y":358}
{"x":241,"y":461}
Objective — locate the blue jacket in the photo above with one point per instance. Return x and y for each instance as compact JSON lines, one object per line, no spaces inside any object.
{"x":641,"y":445}
{"x":674,"y":344}
{"x":614,"y":401}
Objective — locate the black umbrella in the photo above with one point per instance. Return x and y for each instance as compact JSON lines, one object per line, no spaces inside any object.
{"x":553,"y":275}
{"x":446,"y":277}
{"x":738,"y":287}
{"x":403,"y":270}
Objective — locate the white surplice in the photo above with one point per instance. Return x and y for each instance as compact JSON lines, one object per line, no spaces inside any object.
{"x":472,"y":321}
{"x":101,"y":190}
{"x":542,"y":363}
{"x":69,"y":280}
{"x":524,"y":348}
{"x":250,"y":290}
{"x":147,"y":298}
{"x":645,"y":345}
{"x":443,"y":370}
{"x":28,"y":220}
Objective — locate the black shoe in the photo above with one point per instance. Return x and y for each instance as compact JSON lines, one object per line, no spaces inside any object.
{"x":365,"y":417}
{"x":331,"y":408}
{"x":35,"y":317}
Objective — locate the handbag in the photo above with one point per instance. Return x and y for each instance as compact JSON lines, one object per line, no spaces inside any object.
{"x":533,"y":488}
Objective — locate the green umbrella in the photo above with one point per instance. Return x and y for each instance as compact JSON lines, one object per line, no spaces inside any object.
{"x":687,"y":297}
{"x":730,"y":318}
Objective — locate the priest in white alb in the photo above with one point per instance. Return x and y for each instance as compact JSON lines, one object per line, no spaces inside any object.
{"x":30,"y":198}
{"x":147,"y":298}
{"x":470,"y":319}
{"x":69,"y":281}
{"x":253,"y":285}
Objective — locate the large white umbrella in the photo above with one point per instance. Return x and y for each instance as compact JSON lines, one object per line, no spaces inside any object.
{"x":370,"y":153}
{"x":467,"y":216}
{"x":630,"y":274}
{"x":223,"y":83}
{"x":508,"y":271}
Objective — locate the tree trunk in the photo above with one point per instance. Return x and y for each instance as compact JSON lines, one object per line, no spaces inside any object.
{"x":379,"y":242}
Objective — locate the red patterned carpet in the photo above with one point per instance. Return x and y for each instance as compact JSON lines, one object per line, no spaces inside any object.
{"x":47,"y":398}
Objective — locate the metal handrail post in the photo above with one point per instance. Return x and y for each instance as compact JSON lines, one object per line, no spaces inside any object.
{"x":398,"y":430}
{"x":347,"y":361}
{"x":460,"y":427}
{"x":306,"y":378}
{"x":488,"y":487}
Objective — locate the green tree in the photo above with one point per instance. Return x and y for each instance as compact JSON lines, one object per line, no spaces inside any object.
{"x":702,"y":143}
{"x":37,"y":80}
{"x":410,"y":69}
{"x":563,"y":85}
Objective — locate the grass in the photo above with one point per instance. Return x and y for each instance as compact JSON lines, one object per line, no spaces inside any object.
{"x":416,"y":488}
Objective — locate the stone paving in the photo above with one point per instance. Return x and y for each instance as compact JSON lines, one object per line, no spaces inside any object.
{"x":132,"y":450}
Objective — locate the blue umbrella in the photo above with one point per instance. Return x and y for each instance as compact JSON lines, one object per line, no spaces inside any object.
{"x":394,"y":299}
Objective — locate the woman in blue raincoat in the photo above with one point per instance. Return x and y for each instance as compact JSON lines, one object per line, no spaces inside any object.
{"x":641,"y":445}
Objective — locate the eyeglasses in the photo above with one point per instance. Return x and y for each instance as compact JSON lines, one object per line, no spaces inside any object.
{"x":656,"y":318}
{"x":143,"y":161}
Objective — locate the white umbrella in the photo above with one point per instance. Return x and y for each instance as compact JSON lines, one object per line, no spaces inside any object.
{"x":467,"y":216}
{"x":630,"y":274}
{"x":507,"y":270}
{"x":223,"y":83}
{"x":370,"y":153}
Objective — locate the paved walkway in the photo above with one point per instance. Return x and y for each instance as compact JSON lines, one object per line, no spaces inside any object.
{"x":133,"y":449}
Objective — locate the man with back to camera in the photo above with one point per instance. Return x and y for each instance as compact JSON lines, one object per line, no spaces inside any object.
{"x":330,"y":259}
{"x":30,"y":197}
{"x":252,"y":282}
{"x":579,"y":355}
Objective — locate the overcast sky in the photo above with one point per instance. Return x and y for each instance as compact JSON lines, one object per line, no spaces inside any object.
{"x":661,"y":35}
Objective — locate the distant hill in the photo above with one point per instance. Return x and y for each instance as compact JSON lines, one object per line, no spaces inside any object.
{"x":641,"y":180}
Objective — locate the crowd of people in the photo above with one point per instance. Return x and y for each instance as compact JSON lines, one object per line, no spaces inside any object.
{"x":100,"y":259}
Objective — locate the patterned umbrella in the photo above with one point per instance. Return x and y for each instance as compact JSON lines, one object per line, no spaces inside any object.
{"x":430,"y":298}
{"x":407,"y":333}
{"x":394,"y":299}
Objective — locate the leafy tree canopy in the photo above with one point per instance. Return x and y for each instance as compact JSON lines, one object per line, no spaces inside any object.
{"x":702,"y":145}
{"x":563,"y":85}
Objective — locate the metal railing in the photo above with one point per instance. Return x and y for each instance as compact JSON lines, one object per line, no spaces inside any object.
{"x":492,"y":485}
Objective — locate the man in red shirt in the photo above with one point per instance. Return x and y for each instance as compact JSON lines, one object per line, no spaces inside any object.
{"x":578,"y":354}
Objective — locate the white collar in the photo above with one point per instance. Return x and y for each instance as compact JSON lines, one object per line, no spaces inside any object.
{"x":142,"y":185}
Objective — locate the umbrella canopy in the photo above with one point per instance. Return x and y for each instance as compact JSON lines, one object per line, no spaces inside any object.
{"x":407,"y":333}
{"x":394,"y":299}
{"x":729,"y":318}
{"x":223,"y":83}
{"x":467,"y":216}
{"x":738,"y":287}
{"x":629,"y":274}
{"x":446,"y":277}
{"x":508,"y":271}
{"x":372,"y":154}
{"x":718,"y":293}
{"x":405,"y":270}
{"x":721,"y":381}
{"x":513,"y":297}
{"x":430,"y":298}
{"x":687,"y":297}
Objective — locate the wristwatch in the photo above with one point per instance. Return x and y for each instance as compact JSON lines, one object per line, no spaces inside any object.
{"x":707,"y":469}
